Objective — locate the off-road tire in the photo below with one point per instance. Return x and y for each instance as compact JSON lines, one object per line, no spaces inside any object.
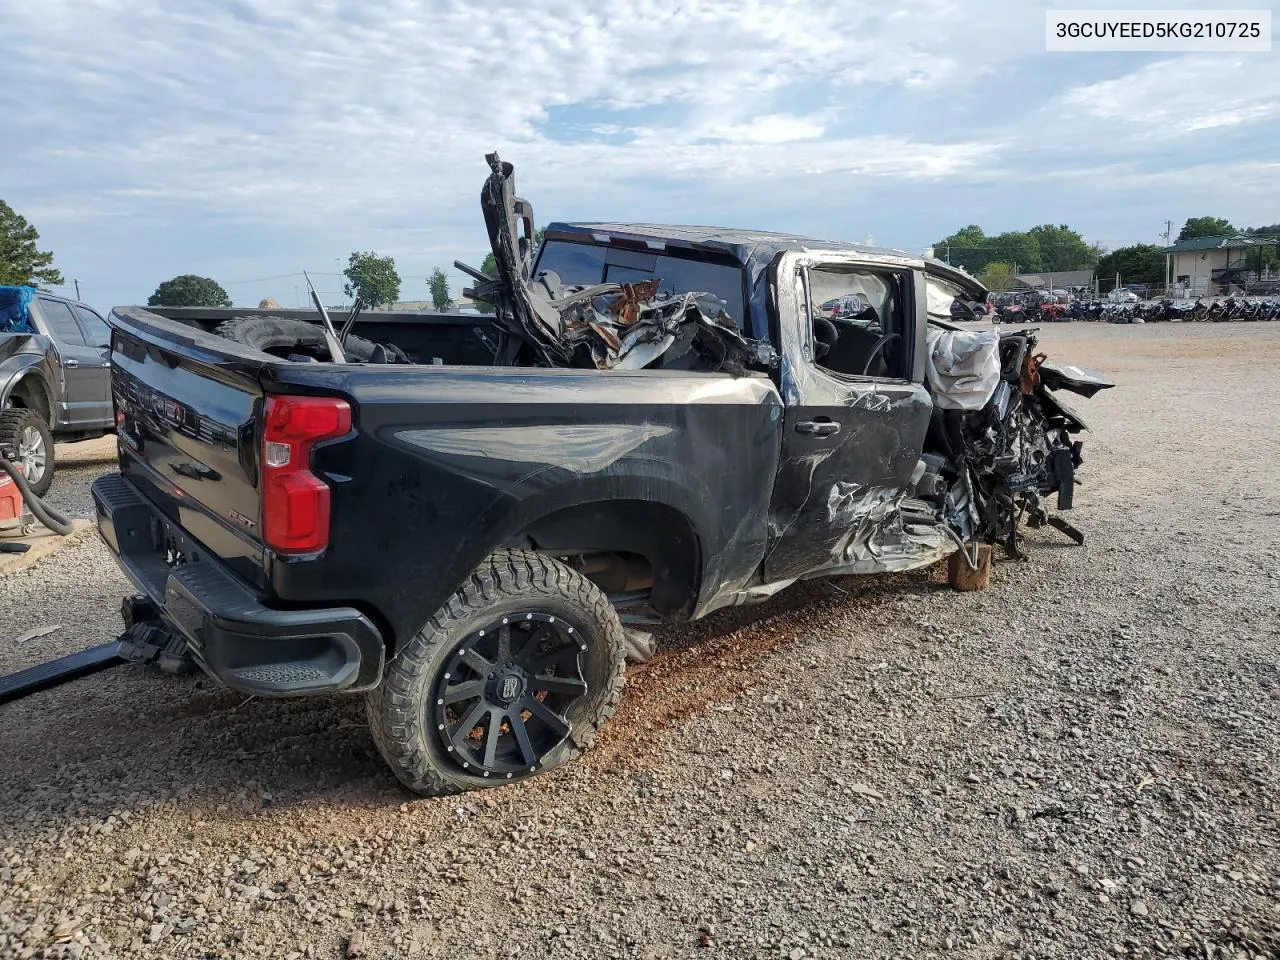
{"x":509,"y":581}
{"x":16,"y":420}
{"x":283,"y":335}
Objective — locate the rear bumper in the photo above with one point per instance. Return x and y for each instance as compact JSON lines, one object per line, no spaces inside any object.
{"x":232,"y":633}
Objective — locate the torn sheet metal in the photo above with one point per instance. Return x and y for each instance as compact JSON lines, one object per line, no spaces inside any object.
{"x":879,"y":535}
{"x":608,"y":326}
{"x":608,"y":322}
{"x":509,"y":221}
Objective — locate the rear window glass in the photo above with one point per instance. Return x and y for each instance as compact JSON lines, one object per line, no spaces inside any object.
{"x":580,"y":263}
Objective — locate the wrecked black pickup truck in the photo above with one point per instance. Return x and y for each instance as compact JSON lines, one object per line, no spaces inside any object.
{"x":656,"y":422}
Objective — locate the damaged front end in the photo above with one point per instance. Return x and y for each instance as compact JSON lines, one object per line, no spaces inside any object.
{"x":605,"y":326}
{"x":1000,"y":443}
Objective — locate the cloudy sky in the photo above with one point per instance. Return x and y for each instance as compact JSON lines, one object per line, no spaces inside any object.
{"x":250,"y":139}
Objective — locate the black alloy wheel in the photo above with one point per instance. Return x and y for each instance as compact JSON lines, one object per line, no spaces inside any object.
{"x":501,"y":703}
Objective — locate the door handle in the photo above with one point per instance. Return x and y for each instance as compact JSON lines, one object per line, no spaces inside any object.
{"x":71,"y":364}
{"x":819,"y":428}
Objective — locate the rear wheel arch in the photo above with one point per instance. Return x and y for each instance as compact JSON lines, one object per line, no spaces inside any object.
{"x":538,"y":517}
{"x":661,"y":535}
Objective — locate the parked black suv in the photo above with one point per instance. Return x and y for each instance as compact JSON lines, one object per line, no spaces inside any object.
{"x":55,"y":379}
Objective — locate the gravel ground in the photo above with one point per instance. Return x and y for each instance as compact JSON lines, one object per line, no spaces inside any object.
{"x":1078,"y":762}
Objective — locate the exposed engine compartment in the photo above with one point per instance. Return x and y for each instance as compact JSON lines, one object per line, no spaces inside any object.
{"x":989,"y":469}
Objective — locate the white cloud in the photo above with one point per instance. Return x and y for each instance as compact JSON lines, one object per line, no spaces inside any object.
{"x":1181,"y":96}
{"x":771,"y":128}
{"x":279,"y":99}
{"x":241,"y":137}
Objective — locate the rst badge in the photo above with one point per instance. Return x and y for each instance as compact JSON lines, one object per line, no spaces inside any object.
{"x":241,"y":519}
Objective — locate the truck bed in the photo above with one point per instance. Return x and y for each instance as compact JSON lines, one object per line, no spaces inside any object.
{"x":442,"y":460}
{"x":427,"y":337}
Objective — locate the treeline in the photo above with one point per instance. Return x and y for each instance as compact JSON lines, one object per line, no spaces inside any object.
{"x":372,"y":278}
{"x":1047,"y":248}
{"x":1043,"y":248}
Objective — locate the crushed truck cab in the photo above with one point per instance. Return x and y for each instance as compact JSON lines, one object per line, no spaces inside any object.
{"x":654,"y":423}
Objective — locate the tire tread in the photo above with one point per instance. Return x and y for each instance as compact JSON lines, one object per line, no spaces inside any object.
{"x":394,"y":711}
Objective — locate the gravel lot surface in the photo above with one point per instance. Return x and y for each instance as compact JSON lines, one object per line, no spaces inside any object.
{"x":1078,"y":762}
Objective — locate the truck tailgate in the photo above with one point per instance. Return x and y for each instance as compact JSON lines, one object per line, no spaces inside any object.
{"x":187,"y":407}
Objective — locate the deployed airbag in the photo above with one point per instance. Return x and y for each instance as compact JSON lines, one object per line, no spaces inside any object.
{"x":962,"y":367}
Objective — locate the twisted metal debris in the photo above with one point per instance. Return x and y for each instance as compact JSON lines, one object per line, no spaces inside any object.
{"x":608,"y":326}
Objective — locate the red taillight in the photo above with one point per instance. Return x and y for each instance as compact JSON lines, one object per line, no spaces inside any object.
{"x":295,"y":502}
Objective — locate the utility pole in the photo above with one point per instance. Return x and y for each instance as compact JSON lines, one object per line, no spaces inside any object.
{"x":1168,"y":261}
{"x":948,"y":253}
{"x":77,"y":283}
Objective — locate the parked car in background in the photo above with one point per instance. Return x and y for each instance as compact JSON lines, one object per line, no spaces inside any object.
{"x":55,"y":378}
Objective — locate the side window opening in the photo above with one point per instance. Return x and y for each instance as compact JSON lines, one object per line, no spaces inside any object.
{"x":95,"y":328}
{"x":858,"y":320}
{"x":61,"y":322}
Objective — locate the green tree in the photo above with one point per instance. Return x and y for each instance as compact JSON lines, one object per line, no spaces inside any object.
{"x":439,"y":284}
{"x":21,"y":261}
{"x":997,"y":276}
{"x":1264,"y":256}
{"x":1046,"y":247}
{"x":188,"y":290}
{"x":372,"y":278}
{"x":962,"y":243}
{"x":972,"y":249}
{"x":1062,"y":248}
{"x":1205,"y":227}
{"x":1140,"y":263}
{"x":1020,"y":249}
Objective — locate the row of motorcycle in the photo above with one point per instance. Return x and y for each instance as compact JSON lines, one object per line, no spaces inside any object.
{"x":1152,"y":311}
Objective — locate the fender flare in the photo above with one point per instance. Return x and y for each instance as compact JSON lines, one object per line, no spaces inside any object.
{"x":16,"y":370}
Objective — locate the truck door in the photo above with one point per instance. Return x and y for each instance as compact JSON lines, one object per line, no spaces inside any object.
{"x":79,"y":364}
{"x":98,"y":336}
{"x":856,"y":410}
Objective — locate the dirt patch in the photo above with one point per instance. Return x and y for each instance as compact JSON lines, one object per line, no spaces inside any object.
{"x":40,"y":543}
{"x":701,"y":665}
